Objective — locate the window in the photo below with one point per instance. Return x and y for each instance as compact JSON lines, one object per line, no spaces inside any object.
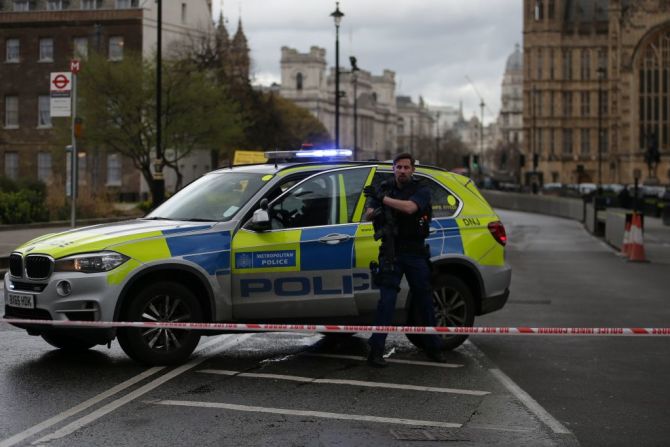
{"x":57,"y":5}
{"x":122,"y":4}
{"x":316,"y":201}
{"x":12,"y":165}
{"x":11,"y":111}
{"x":567,"y":65}
{"x":46,"y":50}
{"x":183,"y":13}
{"x":552,"y":104}
{"x":116,"y":48}
{"x":586,"y":141}
{"x":44,"y":111}
{"x":551,"y":64}
{"x":538,"y":66}
{"x":91,"y":4}
{"x":567,"y":141}
{"x":586,"y":65}
{"x":538,"y":11}
{"x":567,"y":103}
{"x":551,"y":9}
{"x":12,"y":50}
{"x":113,"y":170}
{"x":80,"y":46}
{"x":21,"y":5}
{"x":298,"y":81}
{"x":552,"y":141}
{"x":44,"y":166}
{"x":604,"y":141}
{"x":586,"y":103}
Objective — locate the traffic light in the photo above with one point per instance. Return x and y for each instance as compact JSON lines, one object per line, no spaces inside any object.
{"x":522,"y":160}
{"x":466,"y":161}
{"x":536,"y":159}
{"x":475,"y":162}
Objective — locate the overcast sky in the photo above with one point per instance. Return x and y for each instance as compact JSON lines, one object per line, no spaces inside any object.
{"x":432,"y":45}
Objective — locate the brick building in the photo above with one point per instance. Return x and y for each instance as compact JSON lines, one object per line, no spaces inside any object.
{"x":596,"y":77}
{"x":38,"y":37}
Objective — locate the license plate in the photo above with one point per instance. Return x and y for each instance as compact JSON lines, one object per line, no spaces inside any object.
{"x":21,"y":300}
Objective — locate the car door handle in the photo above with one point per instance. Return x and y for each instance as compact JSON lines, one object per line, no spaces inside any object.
{"x":333,"y":239}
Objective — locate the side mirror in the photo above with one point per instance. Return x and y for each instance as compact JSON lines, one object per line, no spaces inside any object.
{"x":260,"y":221}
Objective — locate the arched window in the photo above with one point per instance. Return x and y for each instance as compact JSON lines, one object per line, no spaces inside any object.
{"x":654,"y":106}
{"x":539,"y":10}
{"x":298,"y":81}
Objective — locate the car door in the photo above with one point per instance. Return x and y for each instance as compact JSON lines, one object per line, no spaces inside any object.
{"x":302,"y":266}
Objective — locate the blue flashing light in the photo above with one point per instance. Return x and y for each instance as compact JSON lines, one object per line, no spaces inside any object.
{"x":324,"y":153}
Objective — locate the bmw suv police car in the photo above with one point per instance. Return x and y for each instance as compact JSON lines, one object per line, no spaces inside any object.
{"x":283,"y":241}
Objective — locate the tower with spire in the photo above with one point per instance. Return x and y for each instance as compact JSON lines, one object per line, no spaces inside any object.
{"x":233,"y":54}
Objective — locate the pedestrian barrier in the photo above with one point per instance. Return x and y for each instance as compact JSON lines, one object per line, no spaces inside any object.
{"x":315,"y":328}
{"x":636,"y":246}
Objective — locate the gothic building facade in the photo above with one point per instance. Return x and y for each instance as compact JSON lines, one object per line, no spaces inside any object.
{"x":597,"y":90}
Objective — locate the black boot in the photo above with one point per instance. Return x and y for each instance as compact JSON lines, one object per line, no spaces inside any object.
{"x":376,"y":359}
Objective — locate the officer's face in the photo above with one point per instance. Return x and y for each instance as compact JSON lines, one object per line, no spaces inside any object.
{"x":403,"y":171}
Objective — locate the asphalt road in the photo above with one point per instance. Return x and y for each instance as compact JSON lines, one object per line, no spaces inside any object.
{"x":301,"y":389}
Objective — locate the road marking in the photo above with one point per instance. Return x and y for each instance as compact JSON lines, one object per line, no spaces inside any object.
{"x":530,"y":403}
{"x":316,"y":414}
{"x":406,"y":362}
{"x":396,"y":386}
{"x":78,"y":408}
{"x":81,"y":422}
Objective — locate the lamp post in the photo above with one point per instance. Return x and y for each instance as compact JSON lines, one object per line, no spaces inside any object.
{"x":354,"y":79}
{"x":601,"y":76}
{"x":481,"y":142}
{"x":337,"y":17}
{"x":437,"y":138}
{"x":159,"y":181}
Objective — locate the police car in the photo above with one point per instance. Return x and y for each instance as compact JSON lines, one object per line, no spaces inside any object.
{"x":284,"y":241}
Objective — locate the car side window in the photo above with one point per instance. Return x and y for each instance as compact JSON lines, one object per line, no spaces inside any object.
{"x":445,"y":204}
{"x":328,"y":198}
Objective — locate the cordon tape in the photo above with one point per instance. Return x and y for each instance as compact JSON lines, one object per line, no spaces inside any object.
{"x":440,"y":330}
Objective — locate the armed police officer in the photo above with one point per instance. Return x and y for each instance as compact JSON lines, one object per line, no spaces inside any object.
{"x":400,"y":209}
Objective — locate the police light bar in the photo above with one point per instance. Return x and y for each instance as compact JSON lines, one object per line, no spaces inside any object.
{"x":311,"y":154}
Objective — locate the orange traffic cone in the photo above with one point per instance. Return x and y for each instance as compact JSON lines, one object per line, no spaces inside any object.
{"x":625,"y":246}
{"x":636,"y":247}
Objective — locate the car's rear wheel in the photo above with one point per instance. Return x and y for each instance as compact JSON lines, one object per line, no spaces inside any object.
{"x":161,"y":302}
{"x":67,"y":342}
{"x":454,"y":306}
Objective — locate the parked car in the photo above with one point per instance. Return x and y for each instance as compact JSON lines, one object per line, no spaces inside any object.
{"x":282,"y":241}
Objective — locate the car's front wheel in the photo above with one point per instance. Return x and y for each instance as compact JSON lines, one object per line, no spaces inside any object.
{"x":454,"y":306}
{"x":161,"y":302}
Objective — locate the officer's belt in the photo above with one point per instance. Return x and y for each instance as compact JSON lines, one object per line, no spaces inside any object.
{"x":417,"y":247}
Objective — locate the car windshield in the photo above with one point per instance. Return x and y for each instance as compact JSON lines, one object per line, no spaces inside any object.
{"x":214,"y":197}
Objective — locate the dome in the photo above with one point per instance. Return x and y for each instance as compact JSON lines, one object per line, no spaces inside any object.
{"x":515,"y":60}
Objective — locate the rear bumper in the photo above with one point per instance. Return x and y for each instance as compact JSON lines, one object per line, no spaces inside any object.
{"x":493,"y":303}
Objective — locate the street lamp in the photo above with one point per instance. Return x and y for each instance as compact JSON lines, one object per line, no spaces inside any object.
{"x":337,"y":17}
{"x":601,"y":76}
{"x":159,"y":181}
{"x":354,"y":79}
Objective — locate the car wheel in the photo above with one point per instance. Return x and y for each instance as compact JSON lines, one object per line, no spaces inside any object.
{"x":67,"y":342}
{"x":161,"y":302}
{"x":454,"y":306}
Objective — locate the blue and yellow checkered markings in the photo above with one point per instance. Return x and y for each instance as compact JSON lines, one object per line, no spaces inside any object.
{"x":211,"y":251}
{"x":318,"y":255}
{"x":447,"y":239}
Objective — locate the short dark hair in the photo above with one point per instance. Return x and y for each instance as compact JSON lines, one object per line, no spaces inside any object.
{"x":402,"y":156}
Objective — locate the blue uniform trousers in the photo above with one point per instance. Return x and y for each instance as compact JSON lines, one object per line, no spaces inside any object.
{"x":417,"y":272}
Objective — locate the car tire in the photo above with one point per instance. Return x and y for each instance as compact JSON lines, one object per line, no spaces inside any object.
{"x":161,"y":302}
{"x":67,"y":342}
{"x":454,"y":306}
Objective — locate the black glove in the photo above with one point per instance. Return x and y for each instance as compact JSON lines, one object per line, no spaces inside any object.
{"x":372,"y":193}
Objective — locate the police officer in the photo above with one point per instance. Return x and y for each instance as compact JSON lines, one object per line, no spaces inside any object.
{"x":406,"y":202}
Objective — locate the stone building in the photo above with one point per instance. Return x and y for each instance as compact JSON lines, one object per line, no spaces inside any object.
{"x":305,"y":82}
{"x":38,"y":37}
{"x":596,"y":77}
{"x":416,"y":129}
{"x":505,"y":159}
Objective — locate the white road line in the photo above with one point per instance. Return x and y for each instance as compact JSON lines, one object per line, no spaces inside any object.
{"x":316,"y":414}
{"x":81,"y":422}
{"x":396,"y":386}
{"x":530,"y":403}
{"x":407,"y":362}
{"x":78,"y":408}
